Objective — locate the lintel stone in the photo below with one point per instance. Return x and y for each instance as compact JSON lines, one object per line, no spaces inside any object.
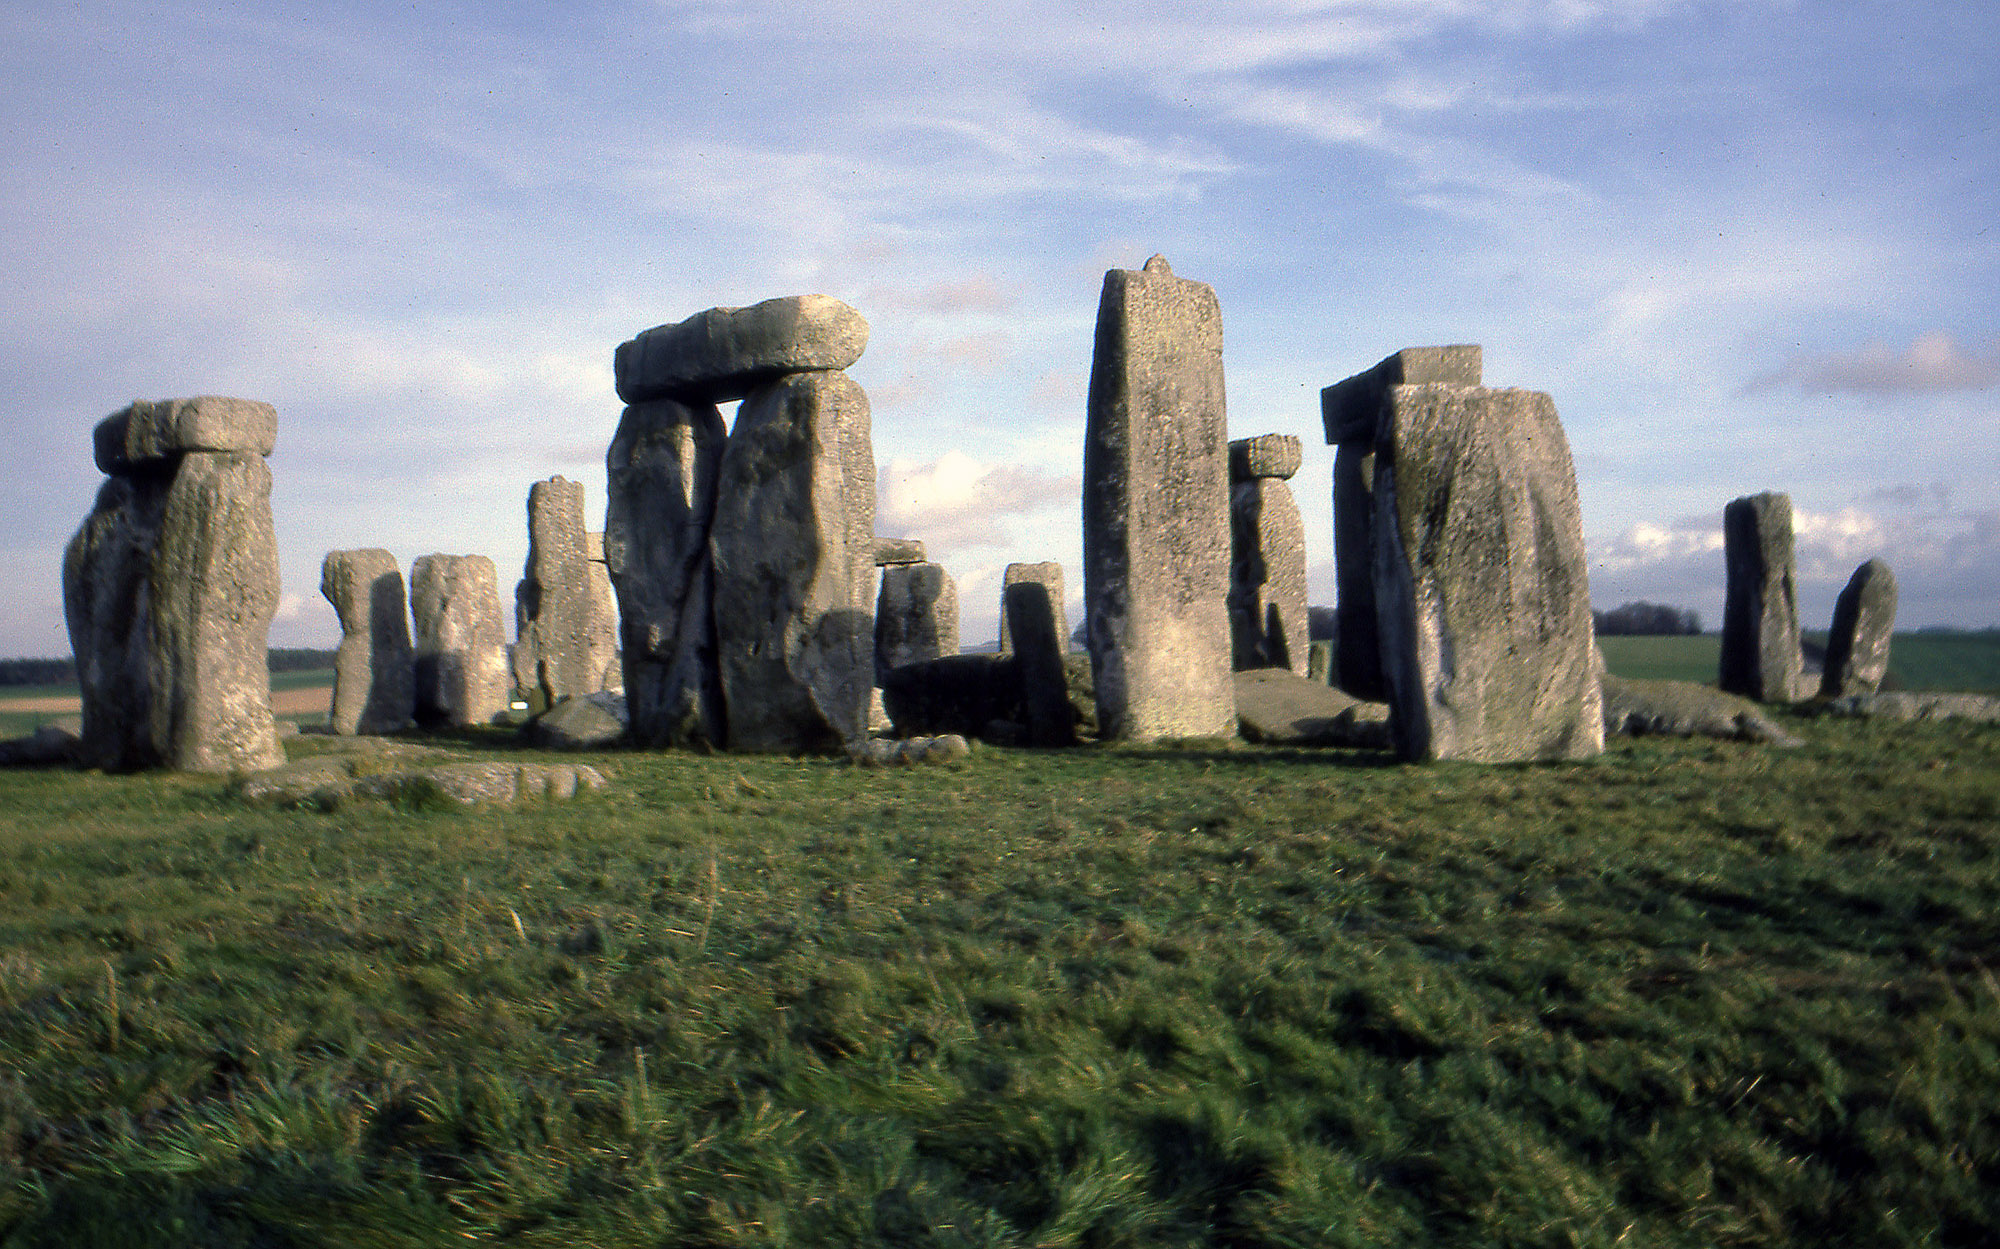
{"x":148,"y":431}
{"x":725,"y":353}
{"x":1350,"y":408}
{"x":1267,"y":455}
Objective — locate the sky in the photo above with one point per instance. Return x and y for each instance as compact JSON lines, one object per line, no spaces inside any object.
{"x":1745,"y":246}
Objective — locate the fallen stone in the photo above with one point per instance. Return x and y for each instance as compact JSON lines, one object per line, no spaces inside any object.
{"x":151,"y":432}
{"x":1277,"y":707}
{"x":585,"y":722}
{"x":374,"y":671}
{"x":1902,"y":705}
{"x":326,"y":782}
{"x":1482,"y":588}
{"x":459,"y":641}
{"x":1156,"y":510}
{"x":898,"y":551}
{"x":1636,"y":708}
{"x":1864,"y":620}
{"x":725,"y":353}
{"x":890,"y":753}
{"x":969,"y":694}
{"x":1760,"y":610}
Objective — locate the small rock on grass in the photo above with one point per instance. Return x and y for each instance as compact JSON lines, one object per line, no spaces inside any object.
{"x":885,"y":753}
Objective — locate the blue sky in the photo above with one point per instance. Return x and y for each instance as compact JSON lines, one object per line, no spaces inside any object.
{"x":1744,"y":245}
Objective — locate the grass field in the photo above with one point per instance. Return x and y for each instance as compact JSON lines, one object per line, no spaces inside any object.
{"x":1691,"y":994}
{"x":1968,"y":662}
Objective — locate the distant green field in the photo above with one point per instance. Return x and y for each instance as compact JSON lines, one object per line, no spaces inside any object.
{"x":1917,"y":661}
{"x":19,"y":723}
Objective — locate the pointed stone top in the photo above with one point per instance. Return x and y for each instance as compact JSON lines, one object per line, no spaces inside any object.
{"x":1158,"y":264}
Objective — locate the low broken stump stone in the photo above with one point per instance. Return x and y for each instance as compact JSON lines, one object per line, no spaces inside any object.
{"x":1047,"y":573}
{"x":1278,"y":707}
{"x":1864,"y":618}
{"x":794,"y":551}
{"x":1267,"y":557}
{"x":169,"y":587}
{"x":916,"y":616}
{"x":586,"y":722}
{"x":374,"y":671}
{"x":1482,"y":590}
{"x":1040,"y":643}
{"x":1351,"y":410}
{"x":566,"y":641}
{"x":725,"y":353}
{"x":1760,"y":610}
{"x":662,"y":469}
{"x":460,"y":640}
{"x":1156,"y":510}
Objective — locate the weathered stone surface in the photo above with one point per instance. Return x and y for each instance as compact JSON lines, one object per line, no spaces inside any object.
{"x":1278,"y":707}
{"x":898,"y":551}
{"x":1760,"y":611}
{"x":1047,"y":573}
{"x":586,"y":722}
{"x":1481,"y":583}
{"x":890,"y":753}
{"x":1864,"y":618}
{"x":460,"y":640}
{"x":794,"y":547}
{"x":725,"y":353}
{"x":150,"y":432}
{"x":1035,"y":626}
{"x":1156,"y":510}
{"x":662,"y":468}
{"x":1267,"y":577}
{"x":169,"y":588}
{"x":567,"y":640}
{"x":1635,"y":708}
{"x":916,"y":616}
{"x":1351,"y":409}
{"x":1978,"y":708}
{"x":1267,"y":455}
{"x":374,"y":673}
{"x":326,"y":782}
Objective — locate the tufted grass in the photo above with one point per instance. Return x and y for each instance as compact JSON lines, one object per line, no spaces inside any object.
{"x":1694,"y":993}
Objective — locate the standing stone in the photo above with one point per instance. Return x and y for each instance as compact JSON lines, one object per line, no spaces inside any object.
{"x":1760,"y":612}
{"x":374,"y":671}
{"x":1864,"y":618}
{"x":916,"y":616}
{"x":1156,"y":510}
{"x":460,"y":637}
{"x":1049,"y":574}
{"x":1267,"y":556}
{"x":1033,"y":620}
{"x":565,"y":642}
{"x":1481,"y":585}
{"x":602,"y":633}
{"x":169,"y":587}
{"x":1351,"y":410}
{"x":662,"y":468}
{"x":794,"y":545}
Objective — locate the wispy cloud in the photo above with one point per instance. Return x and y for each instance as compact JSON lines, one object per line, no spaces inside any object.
{"x":1932,"y":362}
{"x":957,"y":502}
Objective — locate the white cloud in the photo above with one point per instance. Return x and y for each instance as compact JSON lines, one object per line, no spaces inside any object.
{"x":957,"y":502}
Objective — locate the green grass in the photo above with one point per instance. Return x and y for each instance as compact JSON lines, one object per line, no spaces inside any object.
{"x":1694,"y":993}
{"x":1965,"y":662}
{"x":1687,"y":658}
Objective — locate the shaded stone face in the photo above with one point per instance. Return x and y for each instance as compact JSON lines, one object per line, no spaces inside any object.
{"x":374,"y":675}
{"x":725,"y":353}
{"x":1156,"y":510}
{"x":1481,"y":585}
{"x":1267,"y":577}
{"x":1034,"y":622}
{"x":169,"y":587}
{"x":1864,"y":618}
{"x":460,"y":640}
{"x":567,"y":639}
{"x":1048,"y":573}
{"x":1760,"y":613}
{"x":793,"y":544}
{"x":662,"y":469}
{"x":1351,"y":409}
{"x":916,"y":616}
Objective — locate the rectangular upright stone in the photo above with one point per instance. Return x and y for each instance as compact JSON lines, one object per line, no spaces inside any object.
{"x":1481,"y":583}
{"x":1047,"y":573}
{"x":1033,"y":621}
{"x":567,"y":632}
{"x":916,"y":616}
{"x":1156,"y":510}
{"x":460,"y":639}
{"x":374,"y":671}
{"x":1760,"y":607}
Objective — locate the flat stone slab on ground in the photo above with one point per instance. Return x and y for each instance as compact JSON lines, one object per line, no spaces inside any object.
{"x":725,"y":353}
{"x":1635,"y":708}
{"x":1278,"y":707}
{"x":1907,"y":705}
{"x":326,"y":781}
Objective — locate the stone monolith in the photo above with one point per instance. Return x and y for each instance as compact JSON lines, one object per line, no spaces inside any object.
{"x":1034,"y":619}
{"x":169,"y":587}
{"x":1267,"y":556}
{"x":374,"y":671}
{"x":794,"y":551}
{"x":1760,"y":612}
{"x":1156,"y":510}
{"x":1048,"y":573}
{"x":1350,"y":410}
{"x":916,"y":616}
{"x":459,"y":635}
{"x":566,"y":640}
{"x":1481,"y":585}
{"x":1864,"y":618}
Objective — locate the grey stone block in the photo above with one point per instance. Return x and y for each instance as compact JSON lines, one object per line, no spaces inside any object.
{"x":1267,"y":577}
{"x":890,"y":551}
{"x":1040,"y":643}
{"x":566,"y":619}
{"x":1349,"y":409}
{"x":1760,"y":610}
{"x":460,"y":640}
{"x":1267,"y":455}
{"x":374,"y":674}
{"x":1864,"y":620}
{"x":916,"y":616}
{"x":1048,"y":573}
{"x":152,"y":431}
{"x":725,"y":353}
